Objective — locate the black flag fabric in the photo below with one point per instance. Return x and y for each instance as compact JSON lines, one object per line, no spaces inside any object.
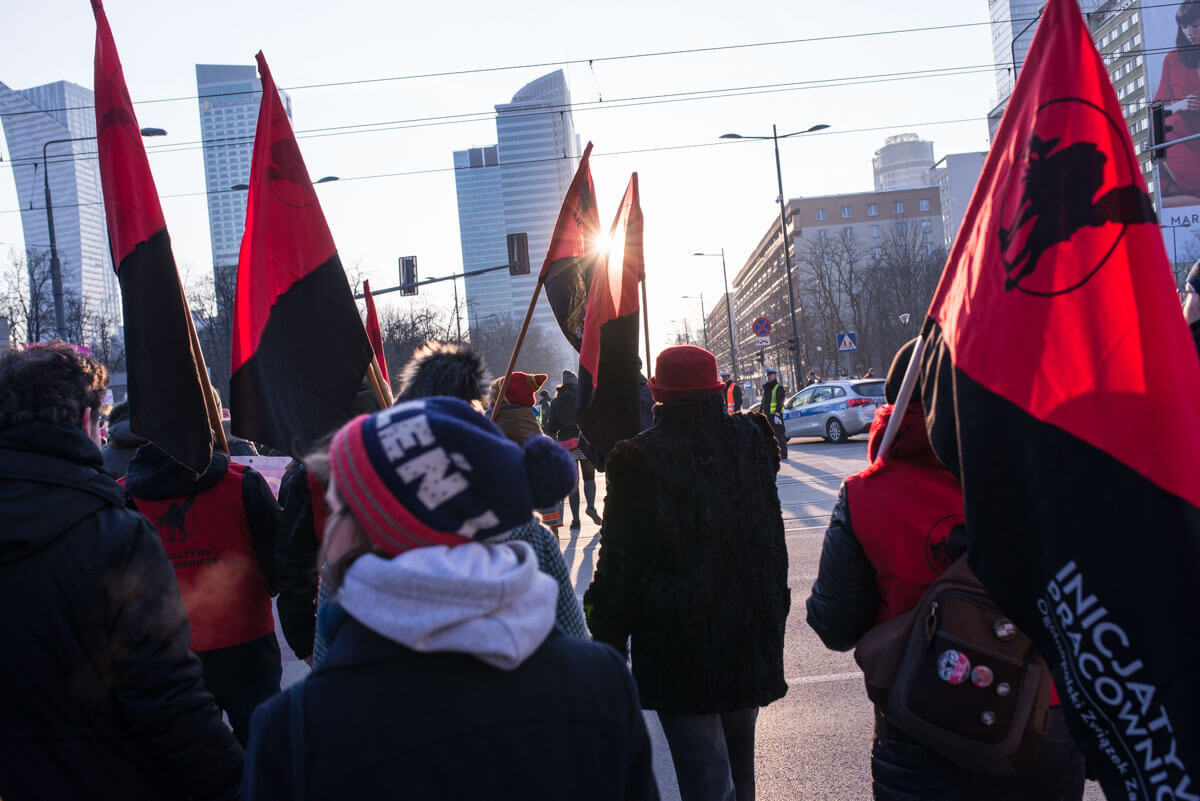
{"x":299,"y":348}
{"x":167,"y":403}
{"x":608,"y":408}
{"x":1060,"y":384}
{"x":573,"y":253}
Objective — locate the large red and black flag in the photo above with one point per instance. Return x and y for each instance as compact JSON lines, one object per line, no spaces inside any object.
{"x":374,"y":334}
{"x":167,"y":402}
{"x":608,"y":409}
{"x":573,"y":253}
{"x":1061,"y":385}
{"x":299,"y":348}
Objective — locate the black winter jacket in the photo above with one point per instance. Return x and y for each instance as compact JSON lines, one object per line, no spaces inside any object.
{"x":562,"y":423}
{"x":118,"y":451}
{"x":382,"y":722}
{"x":99,"y":696}
{"x":296,"y":550}
{"x":692,"y":560}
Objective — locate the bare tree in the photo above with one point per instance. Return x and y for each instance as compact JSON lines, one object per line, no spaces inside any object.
{"x":26,"y":296}
{"x":903,"y":280}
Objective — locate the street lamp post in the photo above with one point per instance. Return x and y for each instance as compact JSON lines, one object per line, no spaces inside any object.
{"x":60,"y":316}
{"x":728,"y":311}
{"x":787,"y":255}
{"x":703,"y":315}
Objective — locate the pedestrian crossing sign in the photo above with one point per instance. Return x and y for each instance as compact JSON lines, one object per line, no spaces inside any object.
{"x":847,"y":342}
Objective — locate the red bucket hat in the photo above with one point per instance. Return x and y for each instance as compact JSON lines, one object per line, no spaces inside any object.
{"x":683,"y":369}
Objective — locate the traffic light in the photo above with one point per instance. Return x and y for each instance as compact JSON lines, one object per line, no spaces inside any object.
{"x":518,"y":254}
{"x":1158,"y":129}
{"x":760,"y":357}
{"x":408,"y":275}
{"x":792,"y":344}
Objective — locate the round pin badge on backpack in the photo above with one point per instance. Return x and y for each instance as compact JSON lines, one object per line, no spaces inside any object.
{"x":953,"y":666}
{"x":1004,"y":629}
{"x":982,"y":676}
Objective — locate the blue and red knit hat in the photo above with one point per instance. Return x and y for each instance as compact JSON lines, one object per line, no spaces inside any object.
{"x":436,"y":472}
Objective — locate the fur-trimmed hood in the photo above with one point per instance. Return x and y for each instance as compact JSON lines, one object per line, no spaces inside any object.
{"x":439,"y":368}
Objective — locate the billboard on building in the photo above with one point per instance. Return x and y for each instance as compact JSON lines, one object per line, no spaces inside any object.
{"x":1171,"y":33}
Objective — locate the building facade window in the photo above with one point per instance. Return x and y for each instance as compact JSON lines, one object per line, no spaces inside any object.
{"x":820,"y":215}
{"x":875,"y":233}
{"x":872,"y":209}
{"x":901,"y":228}
{"x":847,"y":233}
{"x":898,"y":207}
{"x":821,"y":235}
{"x":877,"y":253}
{"x":847,"y":212}
{"x":926,"y":227}
{"x":924,"y":204}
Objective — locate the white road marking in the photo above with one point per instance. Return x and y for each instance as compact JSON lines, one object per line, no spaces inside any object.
{"x":826,"y":678}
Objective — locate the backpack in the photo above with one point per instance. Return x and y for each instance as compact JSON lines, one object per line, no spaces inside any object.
{"x":958,"y":676}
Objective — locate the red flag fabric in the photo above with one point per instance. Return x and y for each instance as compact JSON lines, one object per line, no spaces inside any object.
{"x":608,"y":409}
{"x":573,"y":253}
{"x":1059,"y":380}
{"x":299,"y":348}
{"x":373,"y":332}
{"x":166,"y":386}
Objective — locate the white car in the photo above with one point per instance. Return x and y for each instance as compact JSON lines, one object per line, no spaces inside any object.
{"x":835,"y":410}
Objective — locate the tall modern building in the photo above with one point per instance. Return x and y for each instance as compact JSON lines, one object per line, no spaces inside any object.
{"x":903,"y":162}
{"x":1013,"y":25}
{"x":33,"y":118}
{"x":955,"y":177}
{"x":514,"y":186}
{"x":229,"y":97}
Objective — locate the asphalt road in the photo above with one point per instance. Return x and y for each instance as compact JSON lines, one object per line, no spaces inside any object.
{"x":815,"y":742}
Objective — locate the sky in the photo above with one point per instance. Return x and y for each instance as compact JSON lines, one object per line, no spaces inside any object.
{"x":698,"y":193}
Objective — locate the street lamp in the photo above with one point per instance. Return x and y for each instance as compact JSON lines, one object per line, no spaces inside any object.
{"x":728,"y":310}
{"x":787,"y":256}
{"x":60,"y":317}
{"x":703,"y":316}
{"x":327,"y":179}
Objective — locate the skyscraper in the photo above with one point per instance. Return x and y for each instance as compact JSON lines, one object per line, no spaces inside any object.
{"x":229,"y":97}
{"x":32,"y":118}
{"x":902,"y":163}
{"x":514,"y":186}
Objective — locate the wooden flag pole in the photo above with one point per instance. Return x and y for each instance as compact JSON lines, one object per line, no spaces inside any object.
{"x":516,"y":350}
{"x":902,"y":399}
{"x":210,"y":394}
{"x":646,"y":326}
{"x":381,"y":388}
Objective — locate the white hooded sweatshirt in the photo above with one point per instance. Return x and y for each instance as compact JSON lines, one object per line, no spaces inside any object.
{"x":489,"y":601}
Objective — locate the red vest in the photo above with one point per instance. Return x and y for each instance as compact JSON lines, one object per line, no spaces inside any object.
{"x":208,"y":541}
{"x":729,"y":402}
{"x":902,"y":510}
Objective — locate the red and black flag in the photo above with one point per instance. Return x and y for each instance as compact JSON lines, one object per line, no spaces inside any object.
{"x":1060,"y":383}
{"x":167,"y":402}
{"x":373,"y":332}
{"x":608,"y":407}
{"x":299,"y":348}
{"x":573,"y":253}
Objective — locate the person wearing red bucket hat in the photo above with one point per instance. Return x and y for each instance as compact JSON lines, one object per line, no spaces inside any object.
{"x":693,"y":572}
{"x":441,"y":642}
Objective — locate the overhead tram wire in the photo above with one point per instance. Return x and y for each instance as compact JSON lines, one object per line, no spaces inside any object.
{"x":595,"y":155}
{"x":594,"y":59}
{"x":750,"y":90}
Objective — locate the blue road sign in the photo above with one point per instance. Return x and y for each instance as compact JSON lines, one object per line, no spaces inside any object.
{"x":761,"y":327}
{"x":847,"y":342}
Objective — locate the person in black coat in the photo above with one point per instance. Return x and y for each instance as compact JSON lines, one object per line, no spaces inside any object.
{"x":101,"y":698}
{"x":878,"y":558}
{"x":734,"y":404}
{"x":563,"y":425}
{"x":693,"y":567}
{"x":122,"y":443}
{"x":445,"y":676}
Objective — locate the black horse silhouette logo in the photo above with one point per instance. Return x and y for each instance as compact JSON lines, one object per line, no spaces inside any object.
{"x":174,"y":521}
{"x":945,"y":542}
{"x":1057,"y":201}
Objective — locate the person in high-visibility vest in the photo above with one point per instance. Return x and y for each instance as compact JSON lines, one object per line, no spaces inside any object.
{"x":772,"y":407}
{"x":732,"y":393}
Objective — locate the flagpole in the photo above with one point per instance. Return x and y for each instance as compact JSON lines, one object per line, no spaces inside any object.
{"x":902,"y":398}
{"x":646,"y":325}
{"x":381,"y":388}
{"x":210,"y":395}
{"x":512,"y":362}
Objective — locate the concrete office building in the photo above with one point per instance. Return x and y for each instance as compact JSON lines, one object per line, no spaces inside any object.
{"x":955,"y":177}
{"x":31,"y":118}
{"x":514,"y":186}
{"x":866,"y":219}
{"x":229,"y":97}
{"x":903,"y":162}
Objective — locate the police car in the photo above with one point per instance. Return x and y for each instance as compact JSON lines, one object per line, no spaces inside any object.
{"x":835,"y":410}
